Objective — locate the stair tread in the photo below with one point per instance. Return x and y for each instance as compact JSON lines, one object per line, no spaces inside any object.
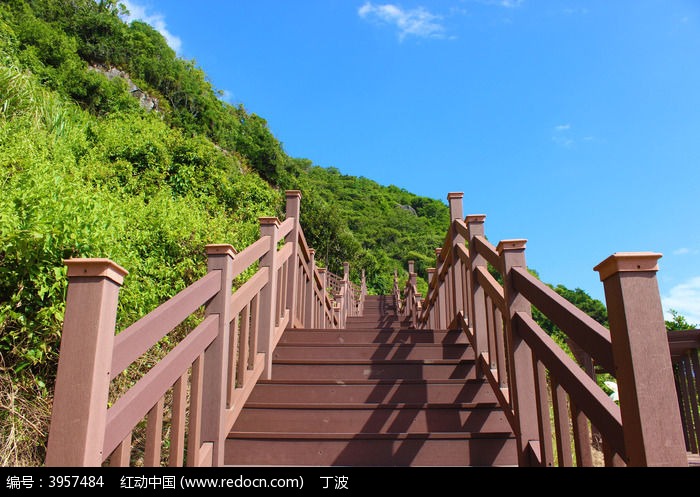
{"x":372,"y":405}
{"x":380,"y":362}
{"x":452,"y":435}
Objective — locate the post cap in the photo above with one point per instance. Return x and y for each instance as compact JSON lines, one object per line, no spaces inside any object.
{"x":627,"y":262}
{"x":267,"y":221}
{"x":475,"y":218}
{"x":221,"y":249}
{"x":292,"y":193}
{"x":455,"y":195}
{"x":91,"y":268}
{"x":507,"y":245}
{"x":312,"y":252}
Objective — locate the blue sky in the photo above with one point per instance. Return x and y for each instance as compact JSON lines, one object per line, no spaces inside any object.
{"x":574,"y":124}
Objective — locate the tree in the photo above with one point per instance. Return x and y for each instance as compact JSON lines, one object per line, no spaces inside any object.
{"x":678,"y":322}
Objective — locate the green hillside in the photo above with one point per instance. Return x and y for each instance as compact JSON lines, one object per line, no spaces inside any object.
{"x":112,"y":146}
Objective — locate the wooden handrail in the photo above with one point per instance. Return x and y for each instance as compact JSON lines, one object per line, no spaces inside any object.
{"x":218,"y":362}
{"x":531,"y":374}
{"x":685,"y":354}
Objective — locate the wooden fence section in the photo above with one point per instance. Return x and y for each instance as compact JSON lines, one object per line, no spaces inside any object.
{"x":207,"y":376}
{"x":685,"y":355}
{"x":551,"y":401}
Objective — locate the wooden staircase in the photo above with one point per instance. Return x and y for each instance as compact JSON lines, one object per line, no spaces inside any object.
{"x":373,"y":394}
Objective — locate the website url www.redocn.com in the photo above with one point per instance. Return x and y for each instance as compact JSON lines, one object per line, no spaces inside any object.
{"x":242,"y":482}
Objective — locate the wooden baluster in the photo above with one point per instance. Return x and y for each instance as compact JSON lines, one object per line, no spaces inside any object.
{"x":121,"y":457}
{"x":442,"y":297}
{"x":521,"y":381}
{"x":323,"y":324}
{"x":648,"y":403}
{"x":543,"y":421}
{"x":561,"y":425}
{"x":79,"y":412}
{"x":154,"y":435}
{"x":177,"y":425}
{"x":194,"y":427}
{"x":254,"y":331}
{"x":432,"y":314}
{"x":310,"y":320}
{"x":582,"y":436}
{"x":232,"y":358}
{"x":244,"y":347}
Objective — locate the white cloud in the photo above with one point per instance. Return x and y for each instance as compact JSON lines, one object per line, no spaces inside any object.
{"x":508,"y":4}
{"x":138,"y":12}
{"x":511,"y":3}
{"x":226,"y":96}
{"x":684,"y":298}
{"x":681,"y":251}
{"x":417,"y":22}
{"x":562,"y":127}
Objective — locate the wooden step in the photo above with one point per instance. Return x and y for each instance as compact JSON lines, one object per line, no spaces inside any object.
{"x":351,"y":449}
{"x":438,"y":369}
{"x":419,"y":351}
{"x":371,"y":336}
{"x":340,"y":392}
{"x":367,"y":418}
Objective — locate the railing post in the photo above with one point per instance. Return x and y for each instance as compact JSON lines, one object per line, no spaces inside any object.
{"x":79,"y":413}
{"x":293,"y":209}
{"x":648,"y":402}
{"x":522,"y":378}
{"x":269,"y":226}
{"x":219,"y":258}
{"x":322,"y":276}
{"x":455,"y":201}
{"x":477,"y":299}
{"x":414,"y":296}
{"x":441,"y":301}
{"x":432,"y":317}
{"x":310,"y":292}
{"x":347,"y":291}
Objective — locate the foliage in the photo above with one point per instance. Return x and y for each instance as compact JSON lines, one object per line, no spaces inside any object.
{"x":679,"y":322}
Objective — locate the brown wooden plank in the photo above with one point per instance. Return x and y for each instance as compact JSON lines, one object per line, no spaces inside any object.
{"x":176,"y":454}
{"x":232,"y":354}
{"x":194,"y":427}
{"x":546,"y":456}
{"x":250,"y":255}
{"x":254,"y":331}
{"x":588,"y":334}
{"x":131,"y":343}
{"x":491,"y":334}
{"x":248,"y":290}
{"x":582,"y":437}
{"x":599,"y":408}
{"x":501,"y":362}
{"x":121,"y":457}
{"x":242,"y":362}
{"x":283,"y":255}
{"x":135,"y":403}
{"x":286,"y":227}
{"x":679,"y":342}
{"x":461,"y":228}
{"x":688,"y":402}
{"x":561,"y":425}
{"x":693,"y":379}
{"x":484,"y":248}
{"x":154,"y":435}
{"x":491,"y":286}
